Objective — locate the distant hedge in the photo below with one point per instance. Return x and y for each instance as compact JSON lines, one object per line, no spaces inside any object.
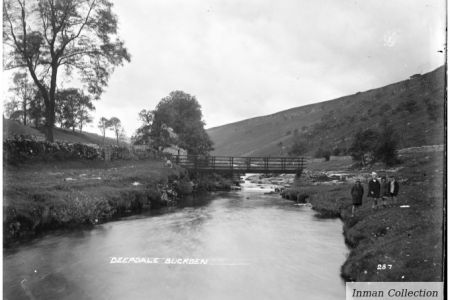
{"x":24,"y":148}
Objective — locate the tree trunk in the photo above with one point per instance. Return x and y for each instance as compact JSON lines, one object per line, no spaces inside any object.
{"x":49,"y":120}
{"x":50,"y":108}
{"x":24,"y":108}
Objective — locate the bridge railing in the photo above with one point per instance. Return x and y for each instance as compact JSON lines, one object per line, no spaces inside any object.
{"x":244,"y":164}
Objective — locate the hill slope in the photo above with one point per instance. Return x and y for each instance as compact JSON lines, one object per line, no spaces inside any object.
{"x":11,"y":128}
{"x":414,"y":107}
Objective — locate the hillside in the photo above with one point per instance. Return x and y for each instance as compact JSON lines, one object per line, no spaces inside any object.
{"x":414,"y":107}
{"x":11,"y":128}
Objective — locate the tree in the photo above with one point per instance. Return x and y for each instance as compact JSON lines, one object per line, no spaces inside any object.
{"x":143,"y":132}
{"x":116,"y":126}
{"x":36,"y":109}
{"x":364,"y":142}
{"x":181,"y":112}
{"x":103,"y":125}
{"x":73,"y":108}
{"x":66,"y":102}
{"x":12,"y":110}
{"x":24,"y":91}
{"x":84,"y":107}
{"x":79,"y":35}
{"x":386,"y":147}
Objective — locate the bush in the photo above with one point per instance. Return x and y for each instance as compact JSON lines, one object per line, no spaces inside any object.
{"x":386,"y":147}
{"x":370,"y":146}
{"x":364,"y":141}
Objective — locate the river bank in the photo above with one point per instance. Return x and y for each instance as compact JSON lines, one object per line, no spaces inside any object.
{"x":389,"y":244}
{"x":44,"y":196}
{"x":402,"y":242}
{"x":250,"y":243}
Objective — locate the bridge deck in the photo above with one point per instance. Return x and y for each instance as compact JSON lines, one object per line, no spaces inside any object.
{"x":240,"y":164}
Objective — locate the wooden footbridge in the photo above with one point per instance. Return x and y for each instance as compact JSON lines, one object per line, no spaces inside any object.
{"x":229,"y":164}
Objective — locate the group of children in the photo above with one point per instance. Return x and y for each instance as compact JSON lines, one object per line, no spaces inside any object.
{"x":376,"y":191}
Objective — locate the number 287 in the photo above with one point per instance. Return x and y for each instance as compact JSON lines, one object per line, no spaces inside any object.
{"x":384,"y":267}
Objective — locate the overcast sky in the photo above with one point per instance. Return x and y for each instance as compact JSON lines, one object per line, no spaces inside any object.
{"x":244,"y":59}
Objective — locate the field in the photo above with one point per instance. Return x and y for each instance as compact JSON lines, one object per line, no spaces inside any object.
{"x":54,"y":195}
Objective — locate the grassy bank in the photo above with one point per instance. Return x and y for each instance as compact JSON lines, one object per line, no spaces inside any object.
{"x":43,"y":196}
{"x":393,"y":243}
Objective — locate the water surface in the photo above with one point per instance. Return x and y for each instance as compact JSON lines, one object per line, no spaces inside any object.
{"x":257,"y":246}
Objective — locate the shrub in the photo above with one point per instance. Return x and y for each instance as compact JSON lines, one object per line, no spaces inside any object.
{"x":386,"y":147}
{"x":364,"y":141}
{"x":369,"y":146}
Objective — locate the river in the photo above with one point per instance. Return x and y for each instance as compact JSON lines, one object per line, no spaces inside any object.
{"x":236,"y":245}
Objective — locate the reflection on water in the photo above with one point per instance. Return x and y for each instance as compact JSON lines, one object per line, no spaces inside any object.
{"x":257,"y":246}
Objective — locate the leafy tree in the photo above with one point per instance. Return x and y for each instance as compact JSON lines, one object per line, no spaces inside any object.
{"x":84,"y":107}
{"x":79,"y":35}
{"x":66,"y":102}
{"x":103,"y":125}
{"x":181,"y":112}
{"x":116,"y":126}
{"x":143,"y":132}
{"x":73,"y":108}
{"x":386,"y":146}
{"x":24,"y":91}
{"x":379,"y":146}
{"x":36,"y":109}
{"x":364,"y":142}
{"x":12,"y":110}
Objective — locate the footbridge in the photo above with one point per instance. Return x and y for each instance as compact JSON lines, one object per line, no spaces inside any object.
{"x":230,"y":164}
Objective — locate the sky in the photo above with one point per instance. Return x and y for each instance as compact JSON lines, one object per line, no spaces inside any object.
{"x":243,"y":59}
